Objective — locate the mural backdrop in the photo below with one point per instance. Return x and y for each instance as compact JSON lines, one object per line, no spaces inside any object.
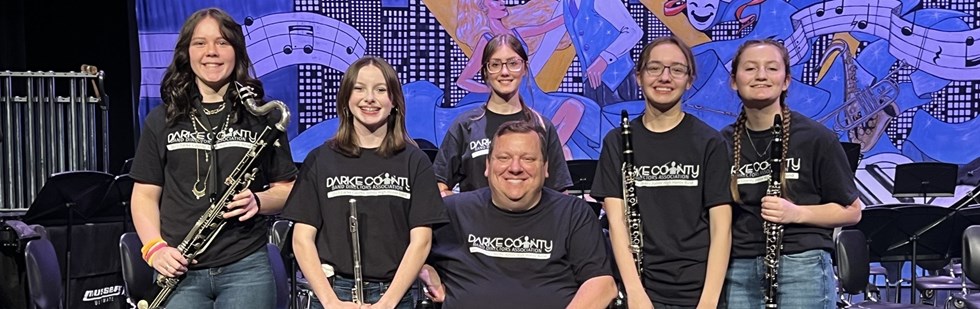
{"x":901,"y":79}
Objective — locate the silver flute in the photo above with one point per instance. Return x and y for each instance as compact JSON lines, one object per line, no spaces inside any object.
{"x":357,"y":293}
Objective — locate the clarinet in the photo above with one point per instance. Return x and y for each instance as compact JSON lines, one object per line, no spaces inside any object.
{"x":210,"y":224}
{"x":773,"y":231}
{"x":357,"y":293}
{"x":630,"y":205}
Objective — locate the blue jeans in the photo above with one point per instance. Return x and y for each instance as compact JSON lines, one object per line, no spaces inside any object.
{"x":247,"y":283}
{"x":806,"y":280}
{"x":372,"y":293}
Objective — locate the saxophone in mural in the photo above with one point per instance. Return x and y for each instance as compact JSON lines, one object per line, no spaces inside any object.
{"x":865,"y":112}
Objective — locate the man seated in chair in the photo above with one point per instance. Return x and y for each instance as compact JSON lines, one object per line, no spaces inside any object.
{"x":517,"y":244}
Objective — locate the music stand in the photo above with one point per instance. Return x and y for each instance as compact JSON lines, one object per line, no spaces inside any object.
{"x":115,"y":203}
{"x":63,"y":196}
{"x":925,"y":179}
{"x":923,"y":227}
{"x":853,"y":153}
{"x":582,"y":172}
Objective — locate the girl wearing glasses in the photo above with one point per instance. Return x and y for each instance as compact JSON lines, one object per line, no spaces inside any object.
{"x":681,"y":185}
{"x":539,"y":26}
{"x":461,"y":159}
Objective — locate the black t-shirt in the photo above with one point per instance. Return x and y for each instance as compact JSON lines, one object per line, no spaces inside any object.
{"x":462,"y":156}
{"x":393,"y":194}
{"x":178,"y":158}
{"x":491,"y":258}
{"x":680,"y":174}
{"x":817,"y":172}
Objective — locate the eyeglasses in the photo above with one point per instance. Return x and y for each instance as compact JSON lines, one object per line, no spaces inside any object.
{"x":515,"y":65}
{"x":676,"y":70}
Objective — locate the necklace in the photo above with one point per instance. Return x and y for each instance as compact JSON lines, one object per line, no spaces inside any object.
{"x":215,"y":111}
{"x":752,"y":143}
{"x":202,"y":191}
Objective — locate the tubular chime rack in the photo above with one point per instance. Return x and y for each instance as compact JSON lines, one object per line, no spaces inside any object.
{"x":50,"y":122}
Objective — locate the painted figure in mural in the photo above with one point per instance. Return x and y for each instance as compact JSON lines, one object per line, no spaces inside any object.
{"x":603,"y":32}
{"x":517,"y":244}
{"x":703,"y":14}
{"x":539,"y":26}
{"x":686,"y":211}
{"x":460,"y":159}
{"x":190,"y":142}
{"x":818,"y":192}
{"x":372,"y":160}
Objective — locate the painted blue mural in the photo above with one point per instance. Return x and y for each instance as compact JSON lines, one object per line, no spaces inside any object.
{"x":901,"y":79}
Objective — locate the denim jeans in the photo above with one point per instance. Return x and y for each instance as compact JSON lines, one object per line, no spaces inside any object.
{"x":247,"y":283}
{"x":806,"y":280}
{"x":372,"y":293}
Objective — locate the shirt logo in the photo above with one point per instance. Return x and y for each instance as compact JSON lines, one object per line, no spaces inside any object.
{"x":521,"y":247}
{"x":759,"y":172}
{"x":670,"y":174}
{"x":381,"y":185}
{"x":480,"y":147}
{"x":228,"y":138}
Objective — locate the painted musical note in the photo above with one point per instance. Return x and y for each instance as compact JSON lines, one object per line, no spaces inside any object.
{"x":862,"y":24}
{"x":966,"y":55}
{"x":248,"y":22}
{"x":822,"y":9}
{"x":908,"y":30}
{"x":938,"y":53}
{"x":304,"y":38}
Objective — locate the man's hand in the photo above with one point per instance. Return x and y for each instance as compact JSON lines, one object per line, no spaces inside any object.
{"x":433,"y":285}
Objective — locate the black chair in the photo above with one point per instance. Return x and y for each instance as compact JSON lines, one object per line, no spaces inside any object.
{"x":138,"y":277}
{"x":971,"y":269}
{"x":281,"y":236}
{"x":851,"y":254}
{"x":279,"y":233}
{"x":43,"y":275}
{"x":280,"y":274}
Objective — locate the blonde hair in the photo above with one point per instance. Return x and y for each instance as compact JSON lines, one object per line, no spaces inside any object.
{"x":473,"y":22}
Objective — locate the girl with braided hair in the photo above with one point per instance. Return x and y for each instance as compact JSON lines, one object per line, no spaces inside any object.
{"x":818,"y":188}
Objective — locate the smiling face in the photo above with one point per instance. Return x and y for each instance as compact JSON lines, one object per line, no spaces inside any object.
{"x":760,"y":76}
{"x":516,"y":170}
{"x":212,"y":57}
{"x":506,"y":82}
{"x":664,"y":90}
{"x":702,"y":13}
{"x":369,"y":101}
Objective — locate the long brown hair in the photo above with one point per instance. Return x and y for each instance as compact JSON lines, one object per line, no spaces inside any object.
{"x":345,"y":140}
{"x":510,"y":41}
{"x":178,"y":87}
{"x":740,"y":122}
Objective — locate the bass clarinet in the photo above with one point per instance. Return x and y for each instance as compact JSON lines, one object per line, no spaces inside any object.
{"x":631,"y":207}
{"x":357,"y":292}
{"x":773,"y":231}
{"x":211,"y":223}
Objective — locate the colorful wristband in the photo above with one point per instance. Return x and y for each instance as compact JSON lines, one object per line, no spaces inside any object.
{"x":148,"y":245}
